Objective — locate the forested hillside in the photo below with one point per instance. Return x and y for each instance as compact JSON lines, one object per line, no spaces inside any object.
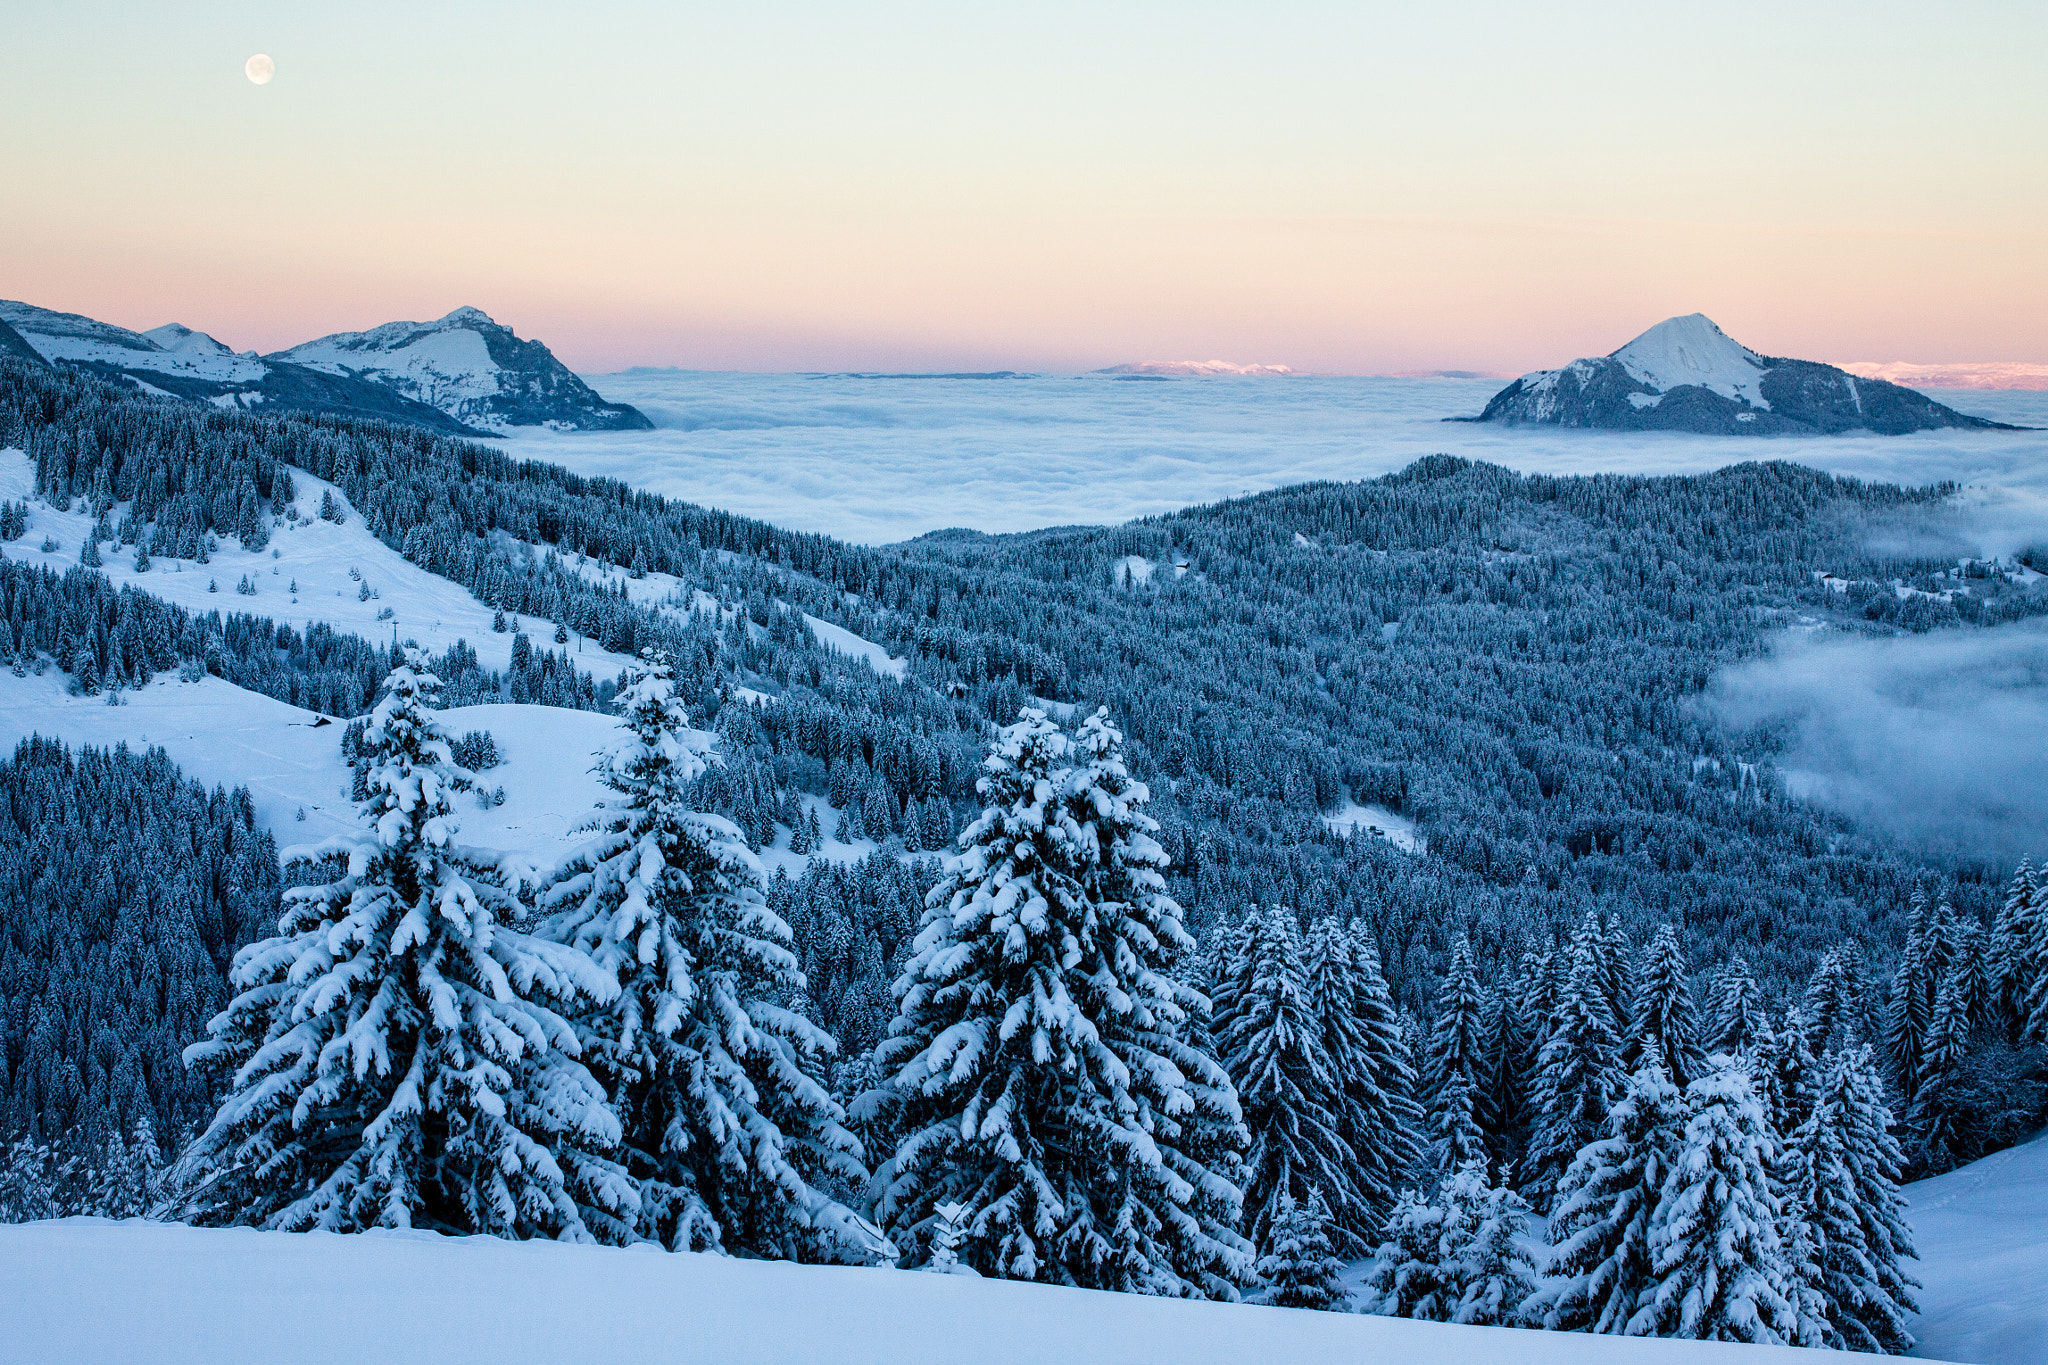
{"x":1506,"y":659}
{"x":1511,"y":662}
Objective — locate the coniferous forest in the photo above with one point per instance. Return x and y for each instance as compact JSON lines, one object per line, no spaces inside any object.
{"x":1112,"y":1005}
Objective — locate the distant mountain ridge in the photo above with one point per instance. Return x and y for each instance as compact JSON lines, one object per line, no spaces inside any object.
{"x":1197,"y":369}
{"x":1686,"y":374}
{"x":472,"y":368}
{"x":462,"y":375}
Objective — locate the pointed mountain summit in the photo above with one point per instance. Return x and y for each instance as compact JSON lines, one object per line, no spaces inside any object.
{"x":471,"y":368}
{"x":1686,"y":374}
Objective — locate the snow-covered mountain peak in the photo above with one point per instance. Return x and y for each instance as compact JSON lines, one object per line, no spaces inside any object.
{"x":177,"y":338}
{"x":1692,"y":350}
{"x":472,"y":368}
{"x":1686,"y":374}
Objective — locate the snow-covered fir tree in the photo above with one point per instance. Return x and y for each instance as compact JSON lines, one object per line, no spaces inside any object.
{"x":1663,"y":1028}
{"x":1457,"y":1067}
{"x":1738,"y":1007}
{"x":1577,"y":1079}
{"x":1853,"y":1211}
{"x":1834,"y":1008}
{"x":1720,"y":1265}
{"x":1787,"y":1076}
{"x":2018,"y":953}
{"x":396,"y":1057}
{"x":1915,"y":981}
{"x":1383,"y":1120}
{"x":1932,"y":1118}
{"x":1287,"y":1035}
{"x":1298,"y":1270}
{"x":1511,"y":1067}
{"x":1456,"y":1257}
{"x":1601,"y":1268}
{"x":1040,"y":1057}
{"x":1495,"y":1275}
{"x":704,"y":1047}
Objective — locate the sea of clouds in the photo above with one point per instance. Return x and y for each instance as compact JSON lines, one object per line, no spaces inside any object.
{"x":877,"y":460}
{"x":1942,"y":738}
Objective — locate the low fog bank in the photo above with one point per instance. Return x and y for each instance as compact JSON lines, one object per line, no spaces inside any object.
{"x":1941,"y":739}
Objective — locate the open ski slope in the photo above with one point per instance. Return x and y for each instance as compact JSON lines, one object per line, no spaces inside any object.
{"x":87,"y":1290}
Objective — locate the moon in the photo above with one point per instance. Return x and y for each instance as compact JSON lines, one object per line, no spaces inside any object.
{"x":259,"y":69}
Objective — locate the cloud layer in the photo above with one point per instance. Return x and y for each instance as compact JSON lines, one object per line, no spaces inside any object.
{"x":876,"y":460}
{"x":1939,"y":738}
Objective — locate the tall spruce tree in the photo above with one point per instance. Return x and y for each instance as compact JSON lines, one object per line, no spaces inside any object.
{"x":1739,"y":1017}
{"x":1382,"y":1117}
{"x":1910,"y":1006}
{"x":1457,"y":1066}
{"x":395,"y":1057}
{"x":1853,"y":1211}
{"x":1722,"y":1273}
{"x":1663,"y":1025}
{"x":1510,"y":1076}
{"x":1275,"y":1047}
{"x":1834,"y":1009}
{"x":709,"y":1066}
{"x":2018,"y":954}
{"x":1578,"y":1081}
{"x":1601,"y":1267}
{"x":1040,"y":1057}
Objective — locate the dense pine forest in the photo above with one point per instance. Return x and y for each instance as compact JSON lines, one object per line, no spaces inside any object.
{"x":1622,"y":930}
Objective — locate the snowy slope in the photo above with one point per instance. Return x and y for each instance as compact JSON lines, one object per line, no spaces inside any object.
{"x":88,"y":1290}
{"x":1692,"y":350}
{"x":316,"y":555}
{"x":1982,"y":1233}
{"x":840,"y":640}
{"x":471,"y":368}
{"x":1686,"y":374}
{"x":224,"y":736}
{"x":173,"y":361}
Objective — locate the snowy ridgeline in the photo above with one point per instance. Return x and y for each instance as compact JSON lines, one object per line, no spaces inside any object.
{"x":88,"y":1290}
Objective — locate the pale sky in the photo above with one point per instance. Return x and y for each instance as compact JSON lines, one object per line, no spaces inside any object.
{"x":1345,"y":188}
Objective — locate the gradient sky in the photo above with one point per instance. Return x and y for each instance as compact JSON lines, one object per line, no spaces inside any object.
{"x":1346,"y":188}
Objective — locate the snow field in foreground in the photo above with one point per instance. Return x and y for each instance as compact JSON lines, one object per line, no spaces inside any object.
{"x":89,"y":1290}
{"x":1982,"y":1232}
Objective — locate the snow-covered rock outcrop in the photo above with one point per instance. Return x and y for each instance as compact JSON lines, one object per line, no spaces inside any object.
{"x":471,"y":368}
{"x":1686,"y":374}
